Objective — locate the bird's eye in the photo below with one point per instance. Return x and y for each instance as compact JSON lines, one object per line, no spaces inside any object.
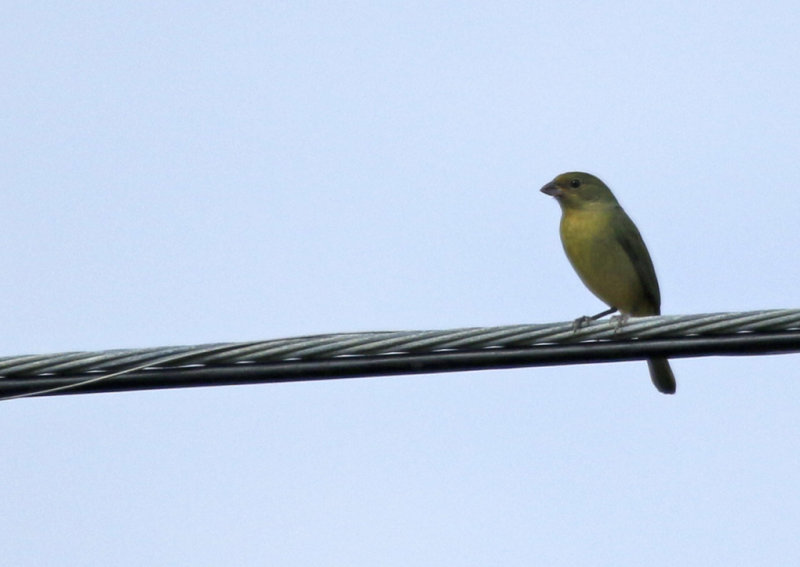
{"x":575,"y":183}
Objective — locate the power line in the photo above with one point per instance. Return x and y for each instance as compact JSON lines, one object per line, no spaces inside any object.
{"x":350,"y":355}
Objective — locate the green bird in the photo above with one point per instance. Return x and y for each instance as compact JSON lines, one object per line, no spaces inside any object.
{"x":607,"y":251}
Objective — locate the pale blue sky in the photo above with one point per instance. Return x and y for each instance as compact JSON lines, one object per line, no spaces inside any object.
{"x":187,"y":173}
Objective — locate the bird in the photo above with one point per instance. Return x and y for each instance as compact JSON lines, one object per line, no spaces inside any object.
{"x":607,"y":251}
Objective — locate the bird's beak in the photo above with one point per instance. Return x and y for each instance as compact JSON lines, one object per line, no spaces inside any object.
{"x":551,"y":189}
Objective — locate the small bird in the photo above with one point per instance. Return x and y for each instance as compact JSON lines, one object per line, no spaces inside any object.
{"x":607,"y":251}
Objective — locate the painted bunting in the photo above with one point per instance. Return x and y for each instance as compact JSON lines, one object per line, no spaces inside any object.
{"x":607,"y":251}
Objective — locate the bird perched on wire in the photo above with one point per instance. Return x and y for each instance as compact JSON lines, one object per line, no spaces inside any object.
{"x":607,"y":251}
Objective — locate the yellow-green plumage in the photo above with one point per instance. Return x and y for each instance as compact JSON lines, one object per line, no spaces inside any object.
{"x":608,"y":253}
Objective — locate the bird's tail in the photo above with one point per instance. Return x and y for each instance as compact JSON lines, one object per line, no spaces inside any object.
{"x":661,"y":375}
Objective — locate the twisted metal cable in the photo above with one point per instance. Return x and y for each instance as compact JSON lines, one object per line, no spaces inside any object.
{"x":344,"y":355}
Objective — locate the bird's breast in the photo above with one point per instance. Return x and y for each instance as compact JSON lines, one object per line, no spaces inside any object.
{"x":601,"y":261}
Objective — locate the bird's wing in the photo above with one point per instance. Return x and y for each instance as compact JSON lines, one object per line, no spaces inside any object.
{"x":631,"y":241}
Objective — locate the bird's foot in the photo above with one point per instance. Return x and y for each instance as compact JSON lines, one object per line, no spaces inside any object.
{"x":581,"y":322}
{"x":620,"y":320}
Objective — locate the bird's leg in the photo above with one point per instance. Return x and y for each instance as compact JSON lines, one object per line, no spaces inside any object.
{"x":585,"y":320}
{"x":608,"y":311}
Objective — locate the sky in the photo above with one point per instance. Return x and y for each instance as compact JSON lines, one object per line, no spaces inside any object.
{"x":179,"y":173}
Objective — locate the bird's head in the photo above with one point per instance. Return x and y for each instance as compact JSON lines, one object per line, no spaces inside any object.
{"x":578,"y":190}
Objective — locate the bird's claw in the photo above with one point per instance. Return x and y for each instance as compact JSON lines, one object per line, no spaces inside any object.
{"x":619,"y":321}
{"x":581,"y":322}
